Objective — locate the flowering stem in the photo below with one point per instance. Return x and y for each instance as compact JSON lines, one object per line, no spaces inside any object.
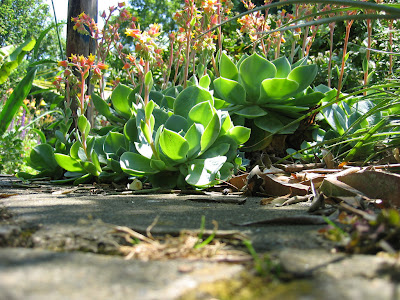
{"x":331,"y":31}
{"x":390,"y":46}
{"x":367,"y":53}
{"x":219,"y":28}
{"x":346,"y":40}
{"x":188,"y":42}
{"x":186,"y":74}
{"x":278,"y":46}
{"x":303,"y":46}
{"x":171,"y":58}
{"x":215,"y":66}
{"x":146,"y":88}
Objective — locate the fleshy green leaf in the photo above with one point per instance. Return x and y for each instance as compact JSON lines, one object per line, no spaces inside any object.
{"x":230,"y":91}
{"x":205,"y":81}
{"x":309,"y":100}
{"x":226,"y":171}
{"x":226,"y":122}
{"x":336,"y":117}
{"x":113,"y":143}
{"x":251,"y":112}
{"x":253,"y":70}
{"x":189,"y":97}
{"x":157,"y":164}
{"x":144,"y":127}
{"x":276,"y":90}
{"x":148,"y":80}
{"x":144,"y":149}
{"x":274,"y":123}
{"x":220,"y":149}
{"x":177,"y":123}
{"x":120,"y":100}
{"x":90,"y":168}
{"x":286,"y":110}
{"x":239,"y":134}
{"x":131,"y":130}
{"x":303,"y":75}
{"x":193,"y":137}
{"x":202,"y":113}
{"x":136,"y":165}
{"x":103,"y":108}
{"x":173,"y":145}
{"x":283,"y":67}
{"x":68,"y":163}
{"x":83,"y":125}
{"x":96,"y":162}
{"x":73,"y":151}
{"x":149,"y":109}
{"x":227,"y":68}
{"x":42,"y":158}
{"x":211,"y":133}
{"x":202,"y":172}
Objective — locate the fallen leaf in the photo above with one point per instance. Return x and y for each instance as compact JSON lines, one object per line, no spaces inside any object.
{"x":7,"y":195}
{"x":64,"y":192}
{"x":375,"y":184}
{"x":332,"y":187}
{"x":266,"y":201}
{"x":239,"y":181}
{"x":328,"y":158}
{"x":272,"y":170}
{"x":272,"y":186}
{"x":299,"y":167}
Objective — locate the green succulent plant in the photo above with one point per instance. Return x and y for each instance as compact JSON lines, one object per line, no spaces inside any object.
{"x":194,"y":144}
{"x":268,"y":95}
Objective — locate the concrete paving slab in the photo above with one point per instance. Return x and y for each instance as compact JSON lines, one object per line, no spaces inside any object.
{"x":174,"y":212}
{"x":41,"y":274}
{"x":79,"y":222}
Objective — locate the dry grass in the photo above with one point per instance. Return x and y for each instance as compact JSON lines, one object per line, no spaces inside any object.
{"x":184,"y":246}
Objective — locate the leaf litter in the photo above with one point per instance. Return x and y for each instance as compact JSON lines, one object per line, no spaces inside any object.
{"x":188,"y":245}
{"x":359,"y":204}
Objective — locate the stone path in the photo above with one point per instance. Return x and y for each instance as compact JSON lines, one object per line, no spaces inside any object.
{"x":78,"y":223}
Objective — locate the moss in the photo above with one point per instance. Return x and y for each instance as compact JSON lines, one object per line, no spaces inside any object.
{"x":250,"y":287}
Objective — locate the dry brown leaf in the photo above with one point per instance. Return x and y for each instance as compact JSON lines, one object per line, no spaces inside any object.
{"x":375,"y":184}
{"x":239,"y":181}
{"x":272,"y":186}
{"x":7,"y":195}
{"x":364,"y":183}
{"x":328,"y":158}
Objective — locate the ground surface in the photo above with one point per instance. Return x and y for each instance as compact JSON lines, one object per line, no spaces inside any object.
{"x":60,"y":242}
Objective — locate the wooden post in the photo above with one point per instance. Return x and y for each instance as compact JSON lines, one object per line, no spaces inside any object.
{"x":81,"y":44}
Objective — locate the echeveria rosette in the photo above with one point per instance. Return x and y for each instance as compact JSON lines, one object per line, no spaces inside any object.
{"x":269,"y":95}
{"x":197,"y":145}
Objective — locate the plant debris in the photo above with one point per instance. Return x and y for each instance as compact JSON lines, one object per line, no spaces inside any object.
{"x":182,"y":246}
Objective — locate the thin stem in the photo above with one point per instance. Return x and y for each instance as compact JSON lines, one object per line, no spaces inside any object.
{"x":215,"y":66}
{"x":171,"y":58}
{"x":188,"y":42}
{"x":390,"y":46}
{"x":368,"y":53}
{"x":331,"y":32}
{"x":146,"y":88}
{"x":186,"y":74}
{"x":58,"y":34}
{"x":303,"y":46}
{"x":278,"y":47}
{"x":219,"y":28}
{"x":346,"y":40}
